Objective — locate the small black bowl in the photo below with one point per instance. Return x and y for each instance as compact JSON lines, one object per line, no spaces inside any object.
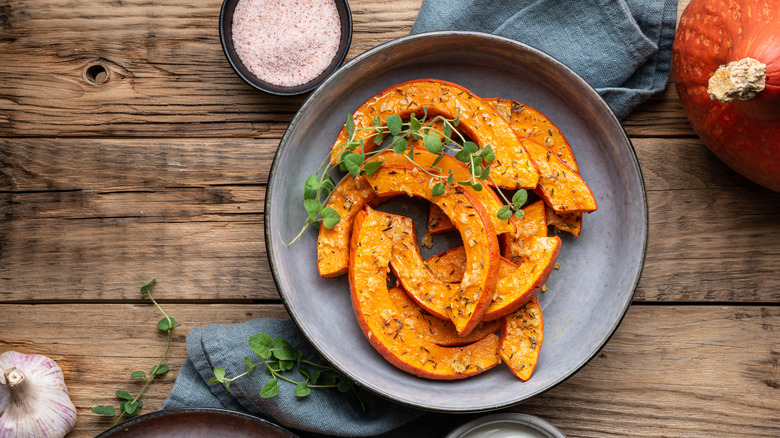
{"x":226,"y":35}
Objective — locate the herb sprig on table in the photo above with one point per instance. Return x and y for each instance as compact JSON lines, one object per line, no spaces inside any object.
{"x":439,"y":136}
{"x":279,"y":359}
{"x":130,"y":406}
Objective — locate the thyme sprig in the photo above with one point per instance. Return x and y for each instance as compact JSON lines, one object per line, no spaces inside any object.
{"x":130,"y":406}
{"x":278,"y":357}
{"x":439,"y":136}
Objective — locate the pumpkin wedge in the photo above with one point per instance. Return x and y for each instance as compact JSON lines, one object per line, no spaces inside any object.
{"x":568,"y":222}
{"x":469,"y":302}
{"x":348,"y":198}
{"x":449,"y":266}
{"x":516,"y":246}
{"x":526,"y":281}
{"x":460,"y":172}
{"x":421,"y":283}
{"x":562,"y":189}
{"x":410,"y":270}
{"x":522,"y":334}
{"x":477,"y":119}
{"x":377,"y":314}
{"x":438,"y":222}
{"x":517,"y":284}
{"x":435,"y":330}
{"x":531,"y":123}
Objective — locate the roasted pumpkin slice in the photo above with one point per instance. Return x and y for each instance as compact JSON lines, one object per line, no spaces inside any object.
{"x":568,"y":222}
{"x":517,"y":284}
{"x":449,"y":266}
{"x":477,"y":119}
{"x":438,"y":222}
{"x":531,"y":123}
{"x":410,"y":270}
{"x":468,"y":303}
{"x":514,"y":290}
{"x":460,"y":172}
{"x":516,"y":245}
{"x":435,"y":330}
{"x":562,"y":189}
{"x":348,"y":198}
{"x":521,"y":339}
{"x":377,"y":314}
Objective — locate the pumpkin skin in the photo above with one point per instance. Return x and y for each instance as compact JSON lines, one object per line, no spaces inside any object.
{"x":521,"y":339}
{"x":744,"y":134}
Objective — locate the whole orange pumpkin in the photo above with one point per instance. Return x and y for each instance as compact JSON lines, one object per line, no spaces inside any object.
{"x":726,"y":67}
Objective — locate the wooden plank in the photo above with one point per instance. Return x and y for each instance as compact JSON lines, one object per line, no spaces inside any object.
{"x":167,"y":75}
{"x":661,"y":115}
{"x":96,"y":259}
{"x":131,"y":164}
{"x":713,"y":235}
{"x":684,"y":371}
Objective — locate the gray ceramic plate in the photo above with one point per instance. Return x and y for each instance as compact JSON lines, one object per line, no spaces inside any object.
{"x":586,"y":298}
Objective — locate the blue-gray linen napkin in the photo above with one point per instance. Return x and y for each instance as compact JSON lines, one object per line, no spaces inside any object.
{"x":323,"y":412}
{"x":622,"y":48}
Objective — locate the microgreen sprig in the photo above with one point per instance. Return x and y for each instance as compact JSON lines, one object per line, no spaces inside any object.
{"x":439,"y":135}
{"x":279,"y":357}
{"x":130,"y":406}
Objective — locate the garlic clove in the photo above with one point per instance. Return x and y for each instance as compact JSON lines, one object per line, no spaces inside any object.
{"x":34,"y":401}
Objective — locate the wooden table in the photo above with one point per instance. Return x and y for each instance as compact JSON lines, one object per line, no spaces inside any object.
{"x":157,"y":169}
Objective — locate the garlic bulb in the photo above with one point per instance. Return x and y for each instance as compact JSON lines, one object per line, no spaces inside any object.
{"x":34,"y":401}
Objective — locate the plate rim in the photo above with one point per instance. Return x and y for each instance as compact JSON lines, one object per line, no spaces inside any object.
{"x":481,"y":36}
{"x":151,"y":416}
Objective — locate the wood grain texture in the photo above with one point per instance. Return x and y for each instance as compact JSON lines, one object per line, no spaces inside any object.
{"x":668,"y":371}
{"x":167,"y":75}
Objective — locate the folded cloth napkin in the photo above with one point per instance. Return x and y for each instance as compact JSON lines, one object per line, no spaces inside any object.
{"x":622,"y":48}
{"x":324,"y":411}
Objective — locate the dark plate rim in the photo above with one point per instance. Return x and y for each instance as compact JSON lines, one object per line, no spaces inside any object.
{"x":344,"y":70}
{"x":154,"y":415}
{"x":225,"y":37}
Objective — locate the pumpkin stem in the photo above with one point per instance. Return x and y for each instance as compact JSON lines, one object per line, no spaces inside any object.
{"x":742,"y":80}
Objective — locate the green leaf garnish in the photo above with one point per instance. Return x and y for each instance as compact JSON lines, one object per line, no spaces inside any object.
{"x":302,"y":389}
{"x":432,"y":142}
{"x":108,"y":411}
{"x":270,"y":389}
{"x":394,"y":124}
{"x":504,"y":213}
{"x":438,"y":189}
{"x":330,"y":217}
{"x":130,"y":405}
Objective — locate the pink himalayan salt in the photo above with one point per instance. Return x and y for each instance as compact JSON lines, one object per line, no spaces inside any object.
{"x":286,"y":42}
